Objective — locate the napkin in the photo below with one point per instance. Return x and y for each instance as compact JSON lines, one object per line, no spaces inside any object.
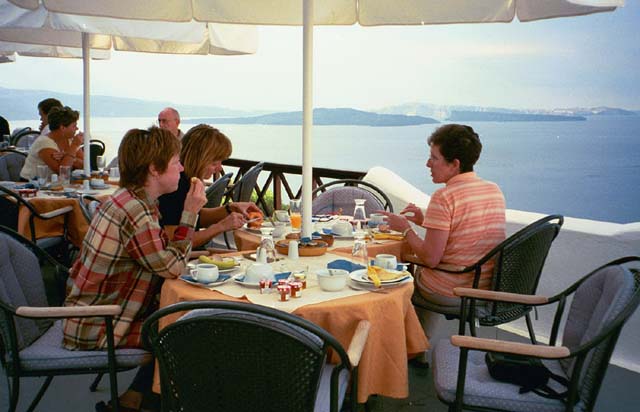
{"x":344,"y":264}
{"x":282,"y":275}
{"x":385,"y":236}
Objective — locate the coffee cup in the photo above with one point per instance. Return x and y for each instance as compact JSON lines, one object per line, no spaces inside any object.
{"x":376,"y":218}
{"x":281,"y":215}
{"x":342,"y":228}
{"x":96,"y":182}
{"x":258,"y":271}
{"x":205,"y":273}
{"x":278,"y":229}
{"x":386,"y":261}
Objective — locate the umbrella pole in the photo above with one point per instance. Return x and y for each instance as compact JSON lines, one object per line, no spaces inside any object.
{"x":86,"y":112}
{"x":307,"y":116}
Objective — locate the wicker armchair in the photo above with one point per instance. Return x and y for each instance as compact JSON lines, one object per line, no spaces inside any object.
{"x":31,"y":326}
{"x":519,"y":260}
{"x":601,"y":303}
{"x":233,"y":356}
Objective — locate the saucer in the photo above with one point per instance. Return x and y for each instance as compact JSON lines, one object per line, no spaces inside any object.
{"x":192,"y":281}
{"x":192,"y":265}
{"x":360,"y":276}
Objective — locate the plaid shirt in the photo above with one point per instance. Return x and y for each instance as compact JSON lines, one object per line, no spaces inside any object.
{"x":123,"y":251}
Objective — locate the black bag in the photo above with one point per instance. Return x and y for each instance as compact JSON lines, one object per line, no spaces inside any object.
{"x":528,"y":373}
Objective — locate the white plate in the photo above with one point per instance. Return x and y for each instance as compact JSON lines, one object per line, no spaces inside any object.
{"x":85,"y":192}
{"x":104,"y":186}
{"x":192,"y":265}
{"x":360,"y":276}
{"x":192,"y":281}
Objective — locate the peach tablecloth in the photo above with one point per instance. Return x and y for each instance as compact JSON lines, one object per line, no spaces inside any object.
{"x":77,"y":225}
{"x":395,"y":332}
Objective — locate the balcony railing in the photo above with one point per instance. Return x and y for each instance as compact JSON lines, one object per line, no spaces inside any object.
{"x":278,"y":176}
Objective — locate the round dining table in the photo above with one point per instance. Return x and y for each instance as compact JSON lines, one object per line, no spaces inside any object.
{"x":395,"y":335}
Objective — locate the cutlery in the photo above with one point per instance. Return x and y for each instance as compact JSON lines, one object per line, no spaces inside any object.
{"x":368,"y":290}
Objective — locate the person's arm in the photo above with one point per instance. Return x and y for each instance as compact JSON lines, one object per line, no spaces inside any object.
{"x":430,"y":249}
{"x":148,"y":247}
{"x":213,"y":227}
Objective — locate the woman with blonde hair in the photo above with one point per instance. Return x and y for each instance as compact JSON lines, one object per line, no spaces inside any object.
{"x":204,"y":148}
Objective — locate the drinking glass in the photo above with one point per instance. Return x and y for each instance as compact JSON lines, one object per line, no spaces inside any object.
{"x":101,"y":163}
{"x":359,"y":252}
{"x":266,"y":252}
{"x":43,"y":174}
{"x":295,"y":212}
{"x":65,"y":175}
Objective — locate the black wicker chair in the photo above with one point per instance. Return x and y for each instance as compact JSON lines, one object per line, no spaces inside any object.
{"x":601,"y":304}
{"x":519,"y":260}
{"x":330,"y":199}
{"x":243,"y":186}
{"x":58,"y":246}
{"x":216,"y":191}
{"x":88,"y":205}
{"x":11,"y":163}
{"x":31,"y":329}
{"x":233,"y":356}
{"x":24,"y":137}
{"x":96,"y":148}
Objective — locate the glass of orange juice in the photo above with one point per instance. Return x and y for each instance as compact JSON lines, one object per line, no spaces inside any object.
{"x":295,"y":212}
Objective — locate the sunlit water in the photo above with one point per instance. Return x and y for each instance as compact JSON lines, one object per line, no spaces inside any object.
{"x":588,"y":169}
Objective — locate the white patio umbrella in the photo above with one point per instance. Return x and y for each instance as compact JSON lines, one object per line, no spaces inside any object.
{"x":10,"y":50}
{"x":327,"y":12}
{"x":39,"y":27}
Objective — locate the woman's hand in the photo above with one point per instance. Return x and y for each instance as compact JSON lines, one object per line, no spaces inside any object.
{"x":398,"y":223}
{"x":196,"y":197}
{"x":413,"y":213}
{"x":233,"y":221}
{"x":244,"y":208}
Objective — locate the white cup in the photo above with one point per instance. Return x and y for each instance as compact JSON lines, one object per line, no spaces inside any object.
{"x":258,"y":271}
{"x":282,"y":215}
{"x":342,"y":228}
{"x":376,"y":218}
{"x":278,"y":229}
{"x":86,"y":185}
{"x":386,"y":261}
{"x":54,"y":178}
{"x":205,"y":273}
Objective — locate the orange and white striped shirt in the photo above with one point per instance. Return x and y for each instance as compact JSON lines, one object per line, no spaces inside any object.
{"x":472,"y":210}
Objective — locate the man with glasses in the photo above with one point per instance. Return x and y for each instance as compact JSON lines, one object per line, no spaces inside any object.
{"x":169,"y":119}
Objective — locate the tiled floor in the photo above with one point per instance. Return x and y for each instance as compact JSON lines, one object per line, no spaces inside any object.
{"x":619,"y":392}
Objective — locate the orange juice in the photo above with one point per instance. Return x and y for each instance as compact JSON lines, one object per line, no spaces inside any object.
{"x":296,"y":220}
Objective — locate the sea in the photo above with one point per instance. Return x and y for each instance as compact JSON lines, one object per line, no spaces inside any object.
{"x":585,"y":169}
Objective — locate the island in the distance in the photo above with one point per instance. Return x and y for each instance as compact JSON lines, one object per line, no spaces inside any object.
{"x":325,"y":117}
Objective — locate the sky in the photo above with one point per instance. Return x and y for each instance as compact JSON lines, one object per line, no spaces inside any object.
{"x":572,"y":62}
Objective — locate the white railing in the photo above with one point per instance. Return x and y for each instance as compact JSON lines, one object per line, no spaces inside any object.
{"x":581,"y":246}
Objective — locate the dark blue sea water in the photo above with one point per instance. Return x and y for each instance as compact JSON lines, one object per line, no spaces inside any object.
{"x":588,"y":169}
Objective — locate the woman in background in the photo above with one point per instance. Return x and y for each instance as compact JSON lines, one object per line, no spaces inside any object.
{"x":204,"y":148}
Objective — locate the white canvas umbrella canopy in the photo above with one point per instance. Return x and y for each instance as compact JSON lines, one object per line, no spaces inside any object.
{"x":39,"y":27}
{"x":11,"y":49}
{"x":328,"y":12}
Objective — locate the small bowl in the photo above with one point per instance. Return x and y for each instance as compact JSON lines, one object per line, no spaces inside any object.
{"x":332,"y":280}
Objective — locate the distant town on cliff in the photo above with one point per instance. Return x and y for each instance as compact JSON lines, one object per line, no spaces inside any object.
{"x":17,"y":104}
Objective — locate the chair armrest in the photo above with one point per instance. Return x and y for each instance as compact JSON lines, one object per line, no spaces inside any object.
{"x":527,"y":349}
{"x":358,"y":341}
{"x":500,"y":296}
{"x":68,"y":311}
{"x":57,"y":212}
